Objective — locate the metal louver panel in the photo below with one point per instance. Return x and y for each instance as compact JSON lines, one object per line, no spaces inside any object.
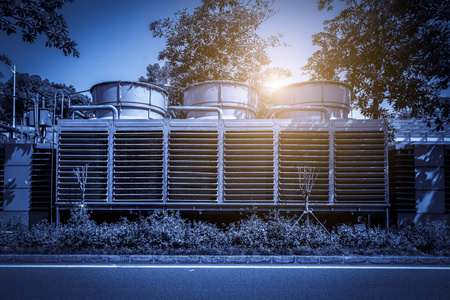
{"x":2,"y":176}
{"x":447,"y":180}
{"x":78,"y":149}
{"x":138,"y":166}
{"x":402,"y":191}
{"x":248,"y":166}
{"x":303,"y":149}
{"x":360,"y":166}
{"x":41,"y":176}
{"x":193,"y":166}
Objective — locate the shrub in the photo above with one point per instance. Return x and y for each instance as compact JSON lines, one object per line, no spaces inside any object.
{"x":165,"y":232}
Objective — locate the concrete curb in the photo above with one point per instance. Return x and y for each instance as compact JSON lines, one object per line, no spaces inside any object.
{"x":224,"y":259}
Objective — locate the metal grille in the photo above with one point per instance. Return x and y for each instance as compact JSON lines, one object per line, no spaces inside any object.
{"x":360,"y":166}
{"x":2,"y":176}
{"x":81,"y":149}
{"x":41,"y":176}
{"x":447,"y":180}
{"x":402,"y":180}
{"x":193,"y":166}
{"x":248,"y":166}
{"x":303,"y":149}
{"x":138,"y":166}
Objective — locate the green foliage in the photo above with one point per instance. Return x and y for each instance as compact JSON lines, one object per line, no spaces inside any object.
{"x":31,"y":18}
{"x":394,"y":52}
{"x":165,"y":232}
{"x":27,"y":86}
{"x":218,"y":41}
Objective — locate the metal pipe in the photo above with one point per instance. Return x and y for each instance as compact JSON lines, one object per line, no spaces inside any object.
{"x":298,"y":108}
{"x":54,"y":106}
{"x":36,"y":119}
{"x":96,"y":107}
{"x":197,"y":108}
{"x":80,"y":114}
{"x":12,"y":129}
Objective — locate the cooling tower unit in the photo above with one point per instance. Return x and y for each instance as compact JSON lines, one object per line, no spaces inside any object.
{"x":237,"y":100}
{"x":133,"y":100}
{"x":331,"y":95}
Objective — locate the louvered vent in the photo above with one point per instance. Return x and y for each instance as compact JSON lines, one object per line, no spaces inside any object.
{"x":2,"y":176}
{"x":138,"y":166}
{"x":402,"y":194}
{"x":360,"y":166}
{"x":41,"y":176}
{"x":78,"y":149}
{"x":303,"y":149}
{"x":193,"y":165}
{"x":447,"y":180}
{"x":248,"y":166}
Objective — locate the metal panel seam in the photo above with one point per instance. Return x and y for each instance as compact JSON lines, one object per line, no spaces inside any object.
{"x":332,"y":174}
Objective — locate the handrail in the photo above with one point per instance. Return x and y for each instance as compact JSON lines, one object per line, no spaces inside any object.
{"x":197,"y":108}
{"x":12,"y":129}
{"x":298,"y":108}
{"x":96,"y":107}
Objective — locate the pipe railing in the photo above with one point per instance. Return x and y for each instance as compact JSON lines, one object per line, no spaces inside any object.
{"x":12,"y":129}
{"x":96,"y":107}
{"x":219,"y":111}
{"x":283,"y":108}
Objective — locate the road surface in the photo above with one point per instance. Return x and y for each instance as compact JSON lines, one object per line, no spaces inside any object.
{"x":222,"y":282}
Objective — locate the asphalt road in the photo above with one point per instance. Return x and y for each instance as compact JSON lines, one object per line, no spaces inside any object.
{"x":222,"y":282}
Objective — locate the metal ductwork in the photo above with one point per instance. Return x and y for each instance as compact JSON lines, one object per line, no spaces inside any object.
{"x":237,"y":100}
{"x":332,"y":95}
{"x":133,"y":100}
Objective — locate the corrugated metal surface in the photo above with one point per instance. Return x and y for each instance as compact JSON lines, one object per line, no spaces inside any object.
{"x":223,"y":164}
{"x":138,"y":165}
{"x":2,"y":176}
{"x":360,"y":164}
{"x":306,"y":148}
{"x":193,"y":165}
{"x":248,"y":166}
{"x":41,"y":176}
{"x":76,"y":149}
{"x":447,"y":180}
{"x":402,"y":179}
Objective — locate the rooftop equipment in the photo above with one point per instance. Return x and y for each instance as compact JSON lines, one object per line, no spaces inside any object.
{"x":237,"y":100}
{"x":300,"y":100}
{"x":133,"y":100}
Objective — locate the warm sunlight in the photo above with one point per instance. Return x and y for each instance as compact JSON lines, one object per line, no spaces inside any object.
{"x":274,"y":83}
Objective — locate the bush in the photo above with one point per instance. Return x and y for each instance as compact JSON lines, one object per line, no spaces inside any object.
{"x":165,"y":232}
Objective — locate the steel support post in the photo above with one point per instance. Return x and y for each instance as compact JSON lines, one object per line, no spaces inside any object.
{"x":110,"y":181}
{"x":58,"y":219}
{"x":386,"y":163}
{"x":220,"y":175}
{"x":166,"y":129}
{"x":276,"y":140}
{"x":332,"y":131}
{"x":55,"y":179}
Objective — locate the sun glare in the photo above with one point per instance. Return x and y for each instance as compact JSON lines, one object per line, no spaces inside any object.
{"x":274,"y":84}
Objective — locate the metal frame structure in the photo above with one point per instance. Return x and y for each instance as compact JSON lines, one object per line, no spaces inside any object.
{"x":223,"y":165}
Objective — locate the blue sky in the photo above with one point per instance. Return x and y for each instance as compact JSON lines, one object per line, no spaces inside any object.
{"x":115,"y":43}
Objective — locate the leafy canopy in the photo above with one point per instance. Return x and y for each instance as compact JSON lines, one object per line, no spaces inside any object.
{"x":217,"y":41}
{"x":31,"y":18}
{"x":391,"y":51}
{"x":27,"y":87}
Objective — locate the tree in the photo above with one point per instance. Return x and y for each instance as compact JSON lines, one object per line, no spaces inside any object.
{"x":37,"y":17}
{"x":218,"y":41}
{"x":157,"y":75}
{"x":26,"y":88}
{"x":394,"y":52}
